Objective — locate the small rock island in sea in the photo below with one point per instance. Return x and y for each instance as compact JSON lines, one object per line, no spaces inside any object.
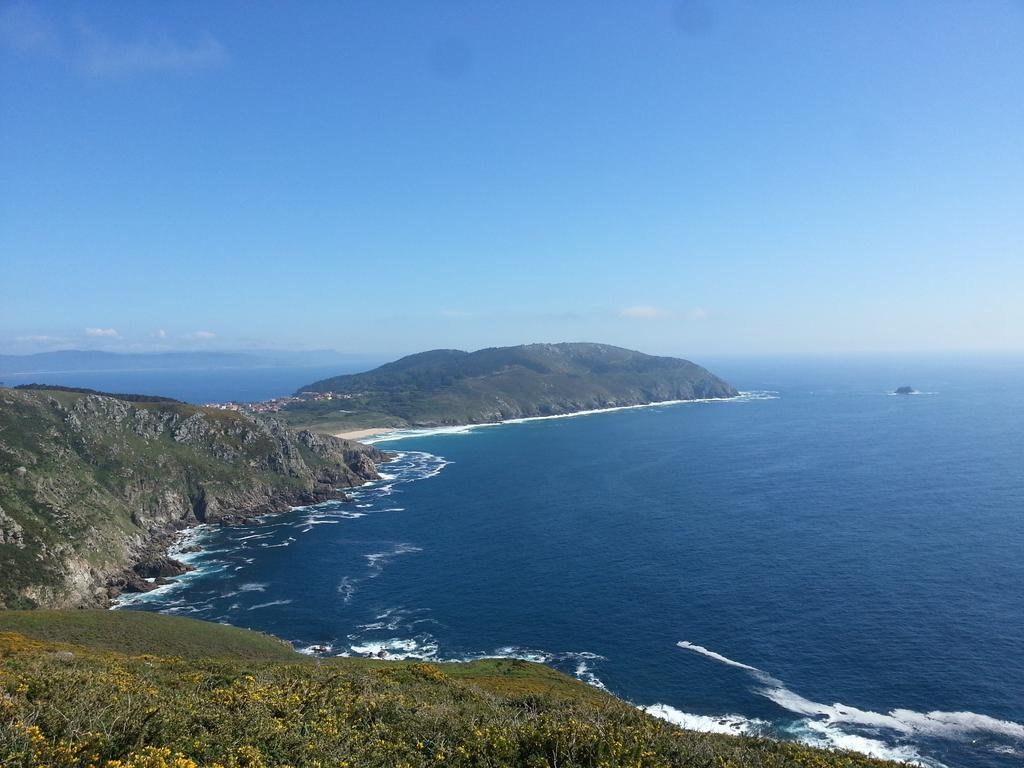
{"x":905,"y":391}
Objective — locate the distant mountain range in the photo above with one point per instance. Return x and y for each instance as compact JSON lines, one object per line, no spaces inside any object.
{"x":449,"y":386}
{"x":69,"y":361}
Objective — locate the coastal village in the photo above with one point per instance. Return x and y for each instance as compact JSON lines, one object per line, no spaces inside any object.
{"x":278,"y":403}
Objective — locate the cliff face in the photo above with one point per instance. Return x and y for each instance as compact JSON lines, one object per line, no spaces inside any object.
{"x":92,"y":487}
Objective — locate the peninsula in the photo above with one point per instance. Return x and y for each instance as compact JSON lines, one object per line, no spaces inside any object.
{"x":451,"y":387}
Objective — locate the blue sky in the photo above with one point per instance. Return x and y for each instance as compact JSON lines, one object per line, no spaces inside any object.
{"x":384,"y":177}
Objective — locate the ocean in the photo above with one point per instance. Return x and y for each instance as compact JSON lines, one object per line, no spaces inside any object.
{"x":818,"y":560}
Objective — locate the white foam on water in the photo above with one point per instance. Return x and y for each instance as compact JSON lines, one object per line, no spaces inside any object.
{"x":126,"y":599}
{"x":347,"y":589}
{"x":586,"y":674}
{"x":956,"y":726}
{"x":408,"y":466}
{"x":376,"y":561}
{"x":253,"y":587}
{"x":267,"y":605}
{"x":396,"y":649}
{"x":732,"y":724}
{"x":402,"y":434}
{"x":254,"y":536}
{"x":686,"y":645}
{"x":958,"y":722}
{"x":819,"y":734}
{"x":316,"y":649}
{"x":393,"y":620}
{"x":821,"y":723}
{"x":313,"y":520}
{"x":508,"y":652}
{"x":522,"y":654}
{"x":834,"y":713}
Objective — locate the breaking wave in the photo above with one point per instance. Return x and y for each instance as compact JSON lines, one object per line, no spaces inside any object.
{"x":842,"y":726}
{"x":732,"y":724}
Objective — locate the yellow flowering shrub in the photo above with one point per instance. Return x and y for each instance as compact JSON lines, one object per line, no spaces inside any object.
{"x":71,"y":707}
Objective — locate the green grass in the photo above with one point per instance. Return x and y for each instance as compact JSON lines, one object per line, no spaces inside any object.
{"x":179,"y":693}
{"x":137,"y":633}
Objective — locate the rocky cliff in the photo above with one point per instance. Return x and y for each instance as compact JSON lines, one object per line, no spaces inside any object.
{"x":93,"y":487}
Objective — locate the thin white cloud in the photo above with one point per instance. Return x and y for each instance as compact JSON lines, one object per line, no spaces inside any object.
{"x":24,"y":30}
{"x":202,"y":335}
{"x":644,"y":312}
{"x":159,"y":333}
{"x":102,"y":57}
{"x":101,"y":332}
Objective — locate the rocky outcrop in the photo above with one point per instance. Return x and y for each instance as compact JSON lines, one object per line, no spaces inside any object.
{"x":11,"y":533}
{"x":93,"y":488}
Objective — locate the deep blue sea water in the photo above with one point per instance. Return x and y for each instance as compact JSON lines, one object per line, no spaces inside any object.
{"x":822,"y":561}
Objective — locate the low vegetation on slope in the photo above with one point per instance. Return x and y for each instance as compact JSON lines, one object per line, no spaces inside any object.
{"x":221,"y":700}
{"x":448,"y":386}
{"x":91,"y":485}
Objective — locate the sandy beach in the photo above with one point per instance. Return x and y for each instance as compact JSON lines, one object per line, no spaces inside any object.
{"x":359,"y":434}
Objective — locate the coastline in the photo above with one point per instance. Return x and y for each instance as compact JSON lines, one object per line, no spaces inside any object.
{"x":827,"y":725}
{"x":373,"y":435}
{"x":359,"y":434}
{"x":184,"y":538}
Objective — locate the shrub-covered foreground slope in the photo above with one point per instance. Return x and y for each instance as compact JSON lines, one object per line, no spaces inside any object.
{"x":92,"y":486}
{"x":195,"y":694}
{"x":448,"y":386}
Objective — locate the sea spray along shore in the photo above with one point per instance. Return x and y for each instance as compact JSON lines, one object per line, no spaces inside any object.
{"x":372,"y":435}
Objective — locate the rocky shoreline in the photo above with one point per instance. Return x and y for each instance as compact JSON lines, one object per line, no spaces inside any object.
{"x":155,"y":566}
{"x":97,"y":487}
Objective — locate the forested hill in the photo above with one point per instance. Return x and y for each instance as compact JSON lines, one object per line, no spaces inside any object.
{"x":449,"y":386}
